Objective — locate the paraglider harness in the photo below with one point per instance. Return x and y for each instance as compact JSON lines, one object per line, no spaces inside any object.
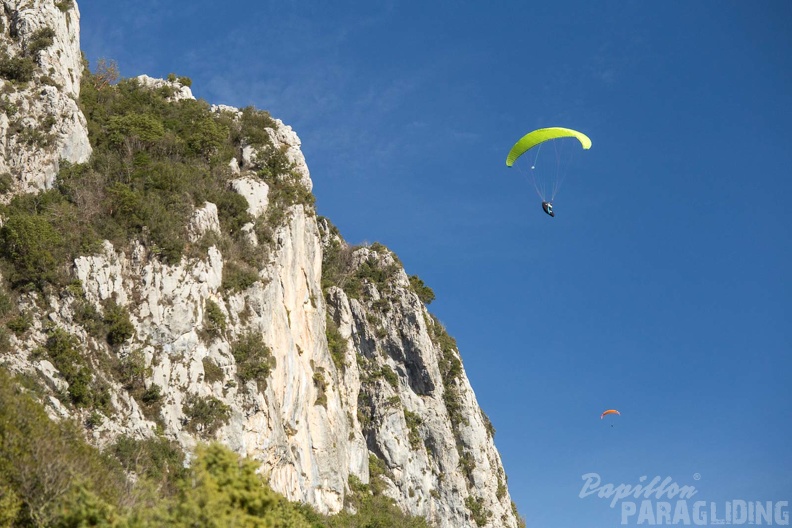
{"x":548,"y":208}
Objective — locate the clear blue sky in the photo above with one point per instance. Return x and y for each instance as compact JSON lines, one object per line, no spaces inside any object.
{"x":662,"y":287}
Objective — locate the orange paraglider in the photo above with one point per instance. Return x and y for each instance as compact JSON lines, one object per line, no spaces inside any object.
{"x":609,"y":411}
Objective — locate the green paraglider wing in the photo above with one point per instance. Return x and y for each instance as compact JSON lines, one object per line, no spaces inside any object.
{"x":531,"y":139}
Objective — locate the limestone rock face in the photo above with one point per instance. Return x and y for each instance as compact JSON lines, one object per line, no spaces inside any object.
{"x":203,"y":221}
{"x":254,"y":191}
{"x":41,"y":123}
{"x":179,"y":90}
{"x":360,"y":380}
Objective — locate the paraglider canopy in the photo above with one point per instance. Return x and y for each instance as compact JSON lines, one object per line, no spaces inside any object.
{"x":532,"y":139}
{"x":609,"y":411}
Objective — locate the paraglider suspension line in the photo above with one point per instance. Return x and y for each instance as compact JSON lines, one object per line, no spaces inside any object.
{"x":540,"y":190}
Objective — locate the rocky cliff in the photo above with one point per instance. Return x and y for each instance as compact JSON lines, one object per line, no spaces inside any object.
{"x":317,"y":359}
{"x":41,"y":65}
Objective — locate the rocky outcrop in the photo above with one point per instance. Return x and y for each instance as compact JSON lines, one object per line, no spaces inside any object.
{"x":40,"y":123}
{"x":324,"y":366}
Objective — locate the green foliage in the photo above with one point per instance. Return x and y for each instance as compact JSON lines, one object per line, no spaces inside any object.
{"x":372,"y":508}
{"x":214,"y":319}
{"x":116,"y":320}
{"x":336,"y":343}
{"x":423,"y":291}
{"x":384,"y":372}
{"x":467,"y":463}
{"x":321,"y":387}
{"x":253,"y":358}
{"x":212,"y":372}
{"x":450,"y":370}
{"x":18,"y":68}
{"x":205,"y":415}
{"x":41,"y":234}
{"x":488,"y":424}
{"x":238,"y":277}
{"x":6,"y":304}
{"x":478,"y":512}
{"x":253,"y":127}
{"x":132,"y":371}
{"x":377,"y":470}
{"x":414,"y":422}
{"x":337,"y":264}
{"x":41,"y":39}
{"x":64,"y":5}
{"x":86,"y":314}
{"x":145,"y":129}
{"x":6,"y":180}
{"x":184,"y":81}
{"x":520,"y":518}
{"x":370,"y":271}
{"x":44,"y":462}
{"x":157,"y":459}
{"x":232,"y":210}
{"x":63,"y":349}
{"x":33,"y":247}
{"x":224,"y":490}
{"x":501,"y":491}
{"x":154,"y":161}
{"x":20,"y":324}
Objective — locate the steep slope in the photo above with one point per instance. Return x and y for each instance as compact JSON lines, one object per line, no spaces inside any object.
{"x":40,"y":68}
{"x":179,"y":284}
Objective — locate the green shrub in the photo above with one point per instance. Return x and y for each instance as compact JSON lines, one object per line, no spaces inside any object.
{"x":254,"y":360}
{"x":152,"y":395}
{"x":220,"y":489}
{"x":488,"y":424}
{"x":43,"y":462}
{"x":86,"y":315}
{"x":238,"y":277}
{"x":212,"y":372}
{"x":500,"y":492}
{"x":20,"y":324}
{"x":424,"y":292}
{"x":62,"y":349}
{"x":214,"y":319}
{"x":372,"y":508}
{"x":145,"y":128}
{"x":33,"y":248}
{"x":6,"y":182}
{"x":158,"y":459}
{"x":388,"y":375}
{"x":478,"y":512}
{"x":335,"y":343}
{"x":253,"y":127}
{"x":232,"y":210}
{"x":119,"y":326}
{"x":414,"y":422}
{"x":64,"y":5}
{"x":41,"y":39}
{"x":467,"y":463}
{"x":321,"y":386}
{"x":205,"y":415}
{"x":132,"y":371}
{"x":18,"y":68}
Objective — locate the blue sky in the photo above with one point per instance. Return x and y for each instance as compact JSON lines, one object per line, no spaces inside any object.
{"x":662,"y":286}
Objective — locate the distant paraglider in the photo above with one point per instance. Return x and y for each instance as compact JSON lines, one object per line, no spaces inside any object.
{"x":546,"y":180}
{"x":610,"y":411}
